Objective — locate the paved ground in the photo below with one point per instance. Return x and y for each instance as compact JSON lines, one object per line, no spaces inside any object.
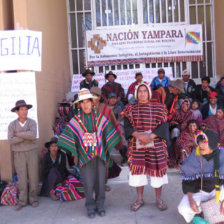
{"x":116,"y":205}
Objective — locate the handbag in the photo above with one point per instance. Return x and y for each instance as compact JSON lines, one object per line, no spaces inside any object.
{"x":211,"y":211}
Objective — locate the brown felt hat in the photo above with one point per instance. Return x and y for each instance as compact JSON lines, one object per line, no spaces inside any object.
{"x":96,"y":90}
{"x":53,"y":140}
{"x":110,"y":73}
{"x":21,"y":103}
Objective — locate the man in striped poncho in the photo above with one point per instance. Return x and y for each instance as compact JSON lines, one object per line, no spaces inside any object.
{"x":146,"y":128}
{"x":90,"y":137}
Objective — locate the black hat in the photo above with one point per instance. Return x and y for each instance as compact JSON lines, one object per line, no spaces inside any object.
{"x":88,"y":71}
{"x":110,"y":73}
{"x":21,"y":103}
{"x":53,"y":140}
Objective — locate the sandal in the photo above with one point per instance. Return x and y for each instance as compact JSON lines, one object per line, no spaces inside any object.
{"x":161,"y":205}
{"x":137,"y":205}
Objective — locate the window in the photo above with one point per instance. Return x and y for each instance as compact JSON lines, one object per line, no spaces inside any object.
{"x":101,"y":14}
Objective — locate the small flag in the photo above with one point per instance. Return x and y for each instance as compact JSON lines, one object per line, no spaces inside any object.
{"x":193,"y":37}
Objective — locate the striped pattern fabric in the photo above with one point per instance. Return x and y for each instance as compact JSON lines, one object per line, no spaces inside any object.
{"x":145,"y":117}
{"x":71,"y":139}
{"x":71,"y":189}
{"x":10,"y":195}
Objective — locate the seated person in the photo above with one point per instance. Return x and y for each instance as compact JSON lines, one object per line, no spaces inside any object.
{"x":169,"y":95}
{"x":220,"y":91}
{"x":189,"y":89}
{"x":200,"y":181}
{"x":195,"y":105}
{"x":112,"y":102}
{"x":160,"y":80}
{"x":88,"y":82}
{"x":63,"y":117}
{"x":54,"y":169}
{"x":185,"y":143}
{"x":131,"y":88}
{"x":113,"y":87}
{"x":182,"y":116}
{"x":211,"y":106}
{"x":216,"y":123}
{"x":202,"y":91}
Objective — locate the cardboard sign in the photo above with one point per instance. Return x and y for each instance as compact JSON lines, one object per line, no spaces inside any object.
{"x":14,"y":87}
{"x":23,"y":48}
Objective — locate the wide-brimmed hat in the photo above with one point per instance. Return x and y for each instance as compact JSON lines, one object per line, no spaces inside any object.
{"x":96,"y":90}
{"x":143,"y":84}
{"x":110,"y":73}
{"x":186,"y":72}
{"x":53,"y":140}
{"x":21,"y":103}
{"x":84,"y":94}
{"x":178,"y":84}
{"x":88,"y":71}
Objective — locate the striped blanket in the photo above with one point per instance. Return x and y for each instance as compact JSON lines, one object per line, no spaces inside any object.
{"x":71,"y":189}
{"x":10,"y":195}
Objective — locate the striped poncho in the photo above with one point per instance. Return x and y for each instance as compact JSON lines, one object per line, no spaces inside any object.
{"x":71,"y":138}
{"x":146,"y":117}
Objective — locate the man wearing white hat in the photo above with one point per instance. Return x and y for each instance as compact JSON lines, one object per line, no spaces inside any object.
{"x":90,"y":137}
{"x":190,"y":85}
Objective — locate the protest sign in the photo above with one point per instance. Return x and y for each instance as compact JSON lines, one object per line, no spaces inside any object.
{"x":144,"y":44}
{"x":20,"y":50}
{"x":14,"y":87}
{"x":124,"y":77}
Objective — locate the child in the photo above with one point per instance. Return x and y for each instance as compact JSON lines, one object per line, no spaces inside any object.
{"x":195,"y":105}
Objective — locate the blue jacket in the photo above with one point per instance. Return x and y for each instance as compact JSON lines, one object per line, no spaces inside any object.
{"x":155,"y":82}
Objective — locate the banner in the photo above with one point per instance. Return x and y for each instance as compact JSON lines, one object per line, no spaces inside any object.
{"x":124,"y":77}
{"x":14,"y":87}
{"x":23,"y":48}
{"x":146,"y":44}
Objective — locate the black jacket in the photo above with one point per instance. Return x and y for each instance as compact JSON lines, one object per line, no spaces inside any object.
{"x":190,"y":93}
{"x":202,"y":95}
{"x":84,"y":84}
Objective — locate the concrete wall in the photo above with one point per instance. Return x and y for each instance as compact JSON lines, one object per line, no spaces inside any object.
{"x":219,"y":36}
{"x":53,"y":82}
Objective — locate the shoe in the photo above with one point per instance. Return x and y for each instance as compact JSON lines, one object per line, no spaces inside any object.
{"x":102,"y":213}
{"x":35,"y":204}
{"x":91,"y":215}
{"x":18,"y":206}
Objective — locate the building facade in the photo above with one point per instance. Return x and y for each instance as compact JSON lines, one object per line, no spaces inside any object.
{"x":63,"y":24}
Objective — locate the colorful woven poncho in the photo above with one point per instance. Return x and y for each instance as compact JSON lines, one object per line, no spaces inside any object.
{"x":144,"y":117}
{"x":71,"y":138}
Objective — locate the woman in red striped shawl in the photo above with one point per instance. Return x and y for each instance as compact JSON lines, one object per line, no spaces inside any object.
{"x":146,"y":129}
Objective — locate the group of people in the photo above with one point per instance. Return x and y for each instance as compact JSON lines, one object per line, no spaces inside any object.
{"x":175,"y":123}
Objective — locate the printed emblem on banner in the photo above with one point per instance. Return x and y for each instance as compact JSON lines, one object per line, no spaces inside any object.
{"x":97,"y":43}
{"x":193,"y":37}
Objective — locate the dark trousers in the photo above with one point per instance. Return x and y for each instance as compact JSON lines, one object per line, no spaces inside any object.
{"x":53,"y":178}
{"x":93,"y":176}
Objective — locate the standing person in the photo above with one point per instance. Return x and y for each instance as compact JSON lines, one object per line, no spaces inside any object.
{"x":144,"y":124}
{"x":90,"y":137}
{"x":131,"y":88}
{"x":160,"y":80}
{"x":88,"y":82}
{"x":22,"y":138}
{"x":113,"y":87}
